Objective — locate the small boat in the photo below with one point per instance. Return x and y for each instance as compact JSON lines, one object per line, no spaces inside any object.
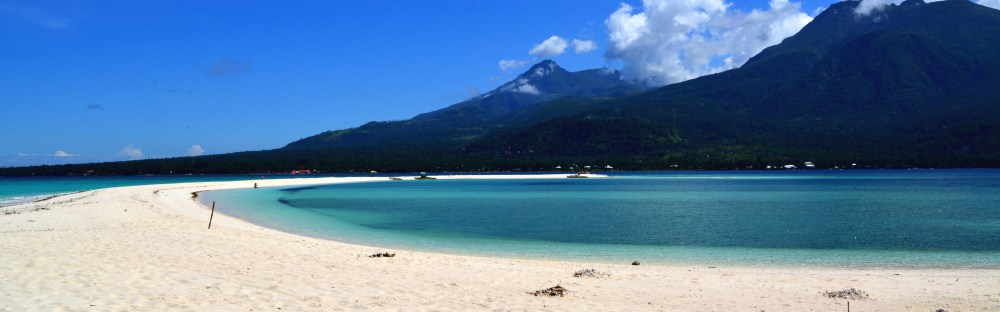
{"x":423,"y":176}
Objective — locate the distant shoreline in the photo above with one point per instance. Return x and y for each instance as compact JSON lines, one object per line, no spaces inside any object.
{"x":391,"y":174}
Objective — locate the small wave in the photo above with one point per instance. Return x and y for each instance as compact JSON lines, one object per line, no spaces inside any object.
{"x":10,"y":201}
{"x":17,"y":200}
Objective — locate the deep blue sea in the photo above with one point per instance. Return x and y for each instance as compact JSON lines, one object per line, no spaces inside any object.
{"x":861,"y":218}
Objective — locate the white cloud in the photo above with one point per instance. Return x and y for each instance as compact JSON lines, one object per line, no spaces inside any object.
{"x":868,"y":6}
{"x":195,"y":150}
{"x":553,"y":46}
{"x":584,"y":46}
{"x":526,"y":88}
{"x":670,"y":41}
{"x":64,"y":154}
{"x":130,"y":152}
{"x":990,"y":3}
{"x":521,"y":85}
{"x":506,"y":65}
{"x":818,"y":10}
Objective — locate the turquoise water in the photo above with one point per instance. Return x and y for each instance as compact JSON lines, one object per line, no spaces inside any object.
{"x":14,"y":190}
{"x":915,"y":218}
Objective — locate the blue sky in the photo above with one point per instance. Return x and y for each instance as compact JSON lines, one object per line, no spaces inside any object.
{"x":86,"y":81}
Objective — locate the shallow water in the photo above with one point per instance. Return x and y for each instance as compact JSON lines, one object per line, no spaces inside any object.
{"x":14,"y":190}
{"x":916,"y":218}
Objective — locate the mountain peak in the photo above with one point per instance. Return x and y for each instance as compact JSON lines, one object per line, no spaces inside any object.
{"x":546,"y":79}
{"x":542,"y":69}
{"x":528,"y":82}
{"x":842,"y":22}
{"x":549,"y":64}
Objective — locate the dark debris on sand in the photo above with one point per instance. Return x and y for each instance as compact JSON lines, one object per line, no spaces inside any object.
{"x":382,"y":255}
{"x":557,"y":291}
{"x":848,"y":293}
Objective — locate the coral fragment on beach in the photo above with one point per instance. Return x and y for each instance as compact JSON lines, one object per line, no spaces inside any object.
{"x":551,"y":292}
{"x":591,"y":273}
{"x":848,"y":293}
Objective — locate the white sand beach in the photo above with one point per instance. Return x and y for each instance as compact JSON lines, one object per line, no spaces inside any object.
{"x":147,"y":248}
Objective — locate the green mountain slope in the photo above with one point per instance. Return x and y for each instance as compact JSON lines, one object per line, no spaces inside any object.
{"x":461,"y":123}
{"x":912,"y":85}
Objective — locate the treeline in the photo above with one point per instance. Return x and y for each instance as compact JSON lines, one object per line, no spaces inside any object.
{"x":415,"y":159}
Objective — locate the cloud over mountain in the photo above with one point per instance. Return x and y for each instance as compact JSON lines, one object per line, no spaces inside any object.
{"x":583,"y":46}
{"x":550,"y":47}
{"x":506,"y":65}
{"x":868,"y":6}
{"x":668,"y":41}
{"x":990,"y":3}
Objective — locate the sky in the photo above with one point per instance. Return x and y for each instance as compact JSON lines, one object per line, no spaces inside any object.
{"x":95,"y":81}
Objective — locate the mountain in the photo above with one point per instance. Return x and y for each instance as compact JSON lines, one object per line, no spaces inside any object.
{"x":911,"y":85}
{"x":461,"y":123}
